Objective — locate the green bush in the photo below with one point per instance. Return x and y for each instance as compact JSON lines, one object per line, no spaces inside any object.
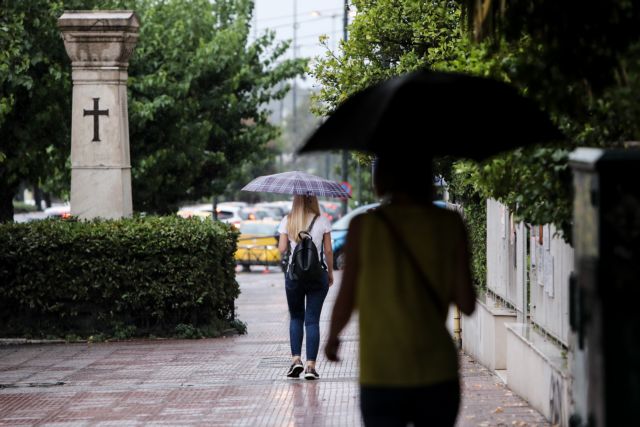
{"x":118,"y":278}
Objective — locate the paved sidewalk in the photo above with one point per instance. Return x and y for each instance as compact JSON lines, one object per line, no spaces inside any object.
{"x":236,"y":381}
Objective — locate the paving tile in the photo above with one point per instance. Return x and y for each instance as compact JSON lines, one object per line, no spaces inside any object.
{"x":235,"y":381}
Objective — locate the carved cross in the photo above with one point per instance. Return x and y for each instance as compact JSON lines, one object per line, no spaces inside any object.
{"x":96,"y":112}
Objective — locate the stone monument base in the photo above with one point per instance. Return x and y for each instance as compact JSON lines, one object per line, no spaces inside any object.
{"x":104,"y":193}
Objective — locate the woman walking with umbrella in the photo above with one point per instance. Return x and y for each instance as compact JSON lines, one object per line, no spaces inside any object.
{"x":305,"y":297}
{"x":305,"y":216}
{"x":401,"y":283}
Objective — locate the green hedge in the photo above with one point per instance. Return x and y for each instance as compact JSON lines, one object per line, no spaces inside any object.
{"x":475,"y":214}
{"x":119,"y":278}
{"x":463,"y":190}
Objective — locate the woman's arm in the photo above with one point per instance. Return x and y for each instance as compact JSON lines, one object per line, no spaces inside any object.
{"x":328,"y":255}
{"x":283,"y":243}
{"x":464,"y":295}
{"x":345,"y":301}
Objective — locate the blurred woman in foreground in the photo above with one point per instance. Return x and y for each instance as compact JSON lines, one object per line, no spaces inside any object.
{"x":406,"y":262}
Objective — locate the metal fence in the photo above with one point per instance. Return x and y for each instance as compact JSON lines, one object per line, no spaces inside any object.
{"x":528,"y":267}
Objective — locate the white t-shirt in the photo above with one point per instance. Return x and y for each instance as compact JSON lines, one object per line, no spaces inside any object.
{"x":320,"y":228}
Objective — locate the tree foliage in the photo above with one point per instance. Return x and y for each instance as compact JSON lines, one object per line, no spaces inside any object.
{"x":566,"y":56}
{"x":35,"y":96}
{"x":582,"y":42}
{"x":391,"y":37}
{"x":582,"y":61}
{"x":198,"y":87}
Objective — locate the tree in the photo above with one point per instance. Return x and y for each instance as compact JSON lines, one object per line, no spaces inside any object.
{"x":391,"y":37}
{"x":197,"y":91}
{"x":35,"y":97}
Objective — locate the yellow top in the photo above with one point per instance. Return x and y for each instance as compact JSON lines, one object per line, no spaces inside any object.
{"x":403,"y":337}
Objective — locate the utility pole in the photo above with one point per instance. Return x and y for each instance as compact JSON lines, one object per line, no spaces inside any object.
{"x":345,"y":153}
{"x":255,"y":24}
{"x":327,"y":165}
{"x":333,"y":31}
{"x":359,"y":172}
{"x":328,"y":156}
{"x":295,"y":88}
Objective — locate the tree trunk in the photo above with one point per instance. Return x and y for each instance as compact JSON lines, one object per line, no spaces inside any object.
{"x":37,"y":195}
{"x":47,"y":199}
{"x":6,"y":202}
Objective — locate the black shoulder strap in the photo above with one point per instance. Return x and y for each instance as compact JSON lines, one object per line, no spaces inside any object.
{"x":414,"y":262}
{"x":312,"y":222}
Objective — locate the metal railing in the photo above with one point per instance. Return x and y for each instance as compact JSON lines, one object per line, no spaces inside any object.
{"x":528,"y":267}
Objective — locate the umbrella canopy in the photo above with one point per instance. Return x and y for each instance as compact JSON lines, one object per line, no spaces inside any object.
{"x":441,"y":113}
{"x":297,"y":183}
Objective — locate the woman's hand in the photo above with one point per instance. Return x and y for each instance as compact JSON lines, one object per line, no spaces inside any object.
{"x":328,"y":255}
{"x":331,"y":349}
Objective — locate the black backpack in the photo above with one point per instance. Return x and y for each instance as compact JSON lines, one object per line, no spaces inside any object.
{"x":305,"y":265}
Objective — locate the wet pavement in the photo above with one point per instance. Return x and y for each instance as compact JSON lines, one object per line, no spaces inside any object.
{"x":234,"y":381}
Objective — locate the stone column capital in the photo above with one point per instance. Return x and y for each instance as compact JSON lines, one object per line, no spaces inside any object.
{"x":96,"y":39}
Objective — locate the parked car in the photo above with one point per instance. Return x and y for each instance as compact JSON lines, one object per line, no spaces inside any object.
{"x":332,"y":210}
{"x":254,"y":213}
{"x":275,"y":211}
{"x":229,"y":214}
{"x":339,"y":233}
{"x":258,"y":244}
{"x":234,"y":204}
{"x":202,"y":211}
{"x":285,"y":205}
{"x":340,"y":227}
{"x":61,"y":212}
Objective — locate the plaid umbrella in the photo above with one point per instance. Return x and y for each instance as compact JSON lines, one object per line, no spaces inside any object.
{"x":297,"y":183}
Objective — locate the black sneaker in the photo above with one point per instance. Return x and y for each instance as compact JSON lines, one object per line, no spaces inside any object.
{"x":311,"y":374}
{"x":295,"y":370}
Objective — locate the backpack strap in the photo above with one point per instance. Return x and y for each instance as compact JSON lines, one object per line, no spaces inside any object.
{"x":413,"y":260}
{"x":322,"y":263}
{"x":312,"y":222}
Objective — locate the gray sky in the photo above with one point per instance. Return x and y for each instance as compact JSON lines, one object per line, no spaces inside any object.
{"x":314,"y":17}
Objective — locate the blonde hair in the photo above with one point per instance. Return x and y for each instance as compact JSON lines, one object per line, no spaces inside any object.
{"x":298,"y":220}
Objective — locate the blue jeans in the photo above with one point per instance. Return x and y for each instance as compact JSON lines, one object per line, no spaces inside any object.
{"x":309,"y":315}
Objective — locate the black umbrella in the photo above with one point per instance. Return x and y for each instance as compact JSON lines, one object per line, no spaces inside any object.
{"x":441,"y":113}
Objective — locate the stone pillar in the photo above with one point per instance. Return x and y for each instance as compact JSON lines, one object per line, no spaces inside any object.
{"x":99,"y":44}
{"x":604,"y":293}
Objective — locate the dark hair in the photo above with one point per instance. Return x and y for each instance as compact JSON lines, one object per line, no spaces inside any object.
{"x":408,"y":175}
